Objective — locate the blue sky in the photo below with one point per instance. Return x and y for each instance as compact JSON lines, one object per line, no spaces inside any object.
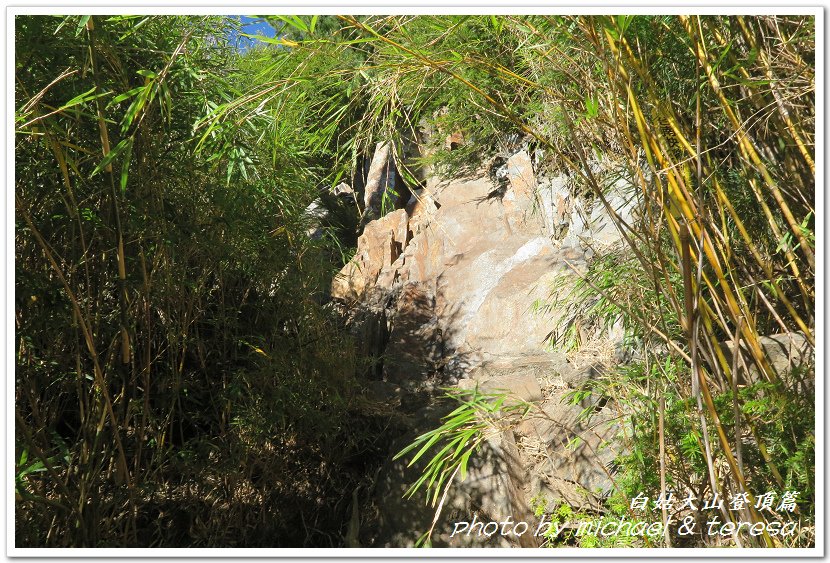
{"x":251,"y":25}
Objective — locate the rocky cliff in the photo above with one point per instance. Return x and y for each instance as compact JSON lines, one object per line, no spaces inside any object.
{"x":445,"y":292}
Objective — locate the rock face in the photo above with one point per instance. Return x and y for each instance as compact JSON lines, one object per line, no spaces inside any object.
{"x":448,"y":290}
{"x":477,"y":260}
{"x":378,"y":181}
{"x":482,"y":274}
{"x":378,"y":248}
{"x":579,"y":222}
{"x":783,"y":351}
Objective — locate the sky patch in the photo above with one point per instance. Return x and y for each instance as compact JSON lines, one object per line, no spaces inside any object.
{"x":250,"y":25}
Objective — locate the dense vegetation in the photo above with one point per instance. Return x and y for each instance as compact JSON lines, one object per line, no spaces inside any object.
{"x":181,"y":379}
{"x":178,"y":380}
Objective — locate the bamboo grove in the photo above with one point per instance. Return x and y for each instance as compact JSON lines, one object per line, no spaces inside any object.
{"x":167,"y":335}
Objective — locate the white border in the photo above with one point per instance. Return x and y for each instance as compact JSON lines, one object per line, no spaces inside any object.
{"x":424,"y":7}
{"x":821,"y":287}
{"x":8,"y":295}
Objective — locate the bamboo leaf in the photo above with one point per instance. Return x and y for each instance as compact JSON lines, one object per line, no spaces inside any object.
{"x":424,"y":449}
{"x":81,"y":98}
{"x":283,"y":41}
{"x":136,"y":107}
{"x":125,"y":165}
{"x":81,"y":25}
{"x":464,"y":461}
{"x":125,"y":96}
{"x":113,"y":154}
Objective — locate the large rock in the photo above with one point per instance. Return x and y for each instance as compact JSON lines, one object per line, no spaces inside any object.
{"x":784,"y":352}
{"x":488,"y":273}
{"x":380,"y":245}
{"x":379,"y":180}
{"x":555,"y":201}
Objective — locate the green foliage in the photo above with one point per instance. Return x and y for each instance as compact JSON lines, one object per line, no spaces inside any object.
{"x":613,"y":290}
{"x":580,"y":528}
{"x":461,"y":435}
{"x":172,"y":340}
{"x":782,"y":421}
